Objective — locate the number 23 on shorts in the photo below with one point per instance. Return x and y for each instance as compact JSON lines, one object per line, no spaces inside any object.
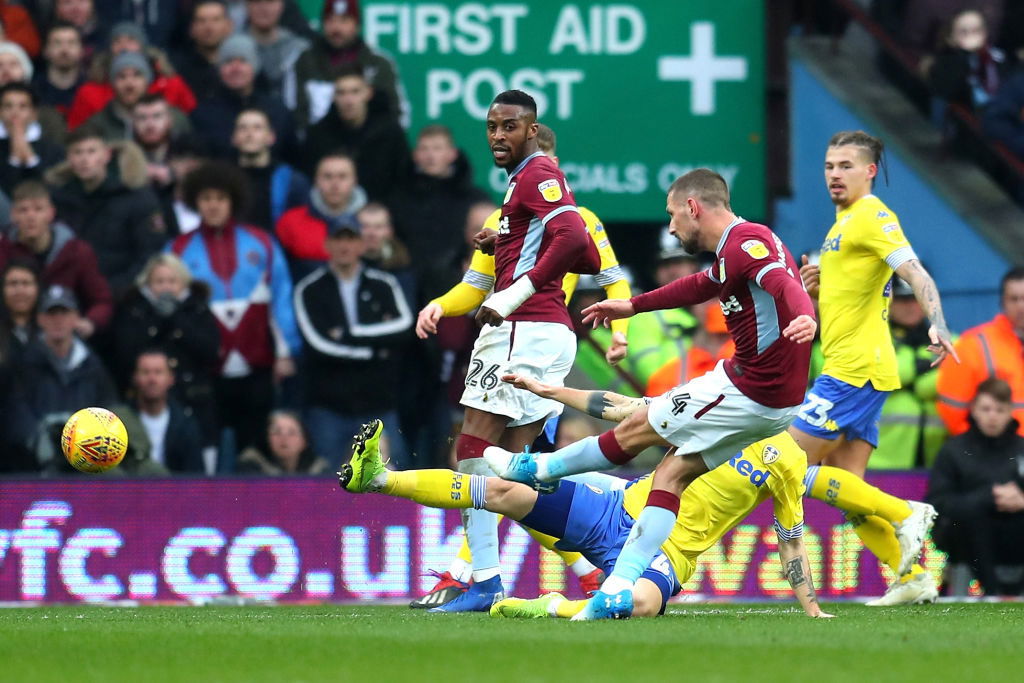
{"x":814,"y":410}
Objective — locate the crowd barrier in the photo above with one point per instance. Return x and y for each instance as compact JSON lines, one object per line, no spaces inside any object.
{"x":304,"y":540}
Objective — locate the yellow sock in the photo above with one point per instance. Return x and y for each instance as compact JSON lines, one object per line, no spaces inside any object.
{"x":433,"y":488}
{"x":567,"y":609}
{"x":848,"y":492}
{"x":549,"y":542}
{"x":878,"y":536}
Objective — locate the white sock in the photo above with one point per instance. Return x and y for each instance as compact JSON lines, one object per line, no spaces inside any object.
{"x":615,"y":584}
{"x":582,"y":567}
{"x":460,"y":570}
{"x":484,"y":574}
{"x":553,"y":607}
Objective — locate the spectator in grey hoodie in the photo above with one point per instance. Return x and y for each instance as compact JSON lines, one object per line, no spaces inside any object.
{"x":278,"y":47}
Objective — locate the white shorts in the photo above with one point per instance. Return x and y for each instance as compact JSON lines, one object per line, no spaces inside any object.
{"x":544,"y":351}
{"x":710,"y":416}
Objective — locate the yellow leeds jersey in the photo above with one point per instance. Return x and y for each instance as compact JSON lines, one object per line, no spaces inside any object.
{"x":858,"y":257}
{"x":481,"y":269}
{"x":717,"y":501}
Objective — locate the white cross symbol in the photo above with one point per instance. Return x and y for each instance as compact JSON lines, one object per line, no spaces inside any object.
{"x":702,"y":68}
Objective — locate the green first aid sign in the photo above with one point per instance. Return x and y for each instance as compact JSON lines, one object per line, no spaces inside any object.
{"x":637,"y":94}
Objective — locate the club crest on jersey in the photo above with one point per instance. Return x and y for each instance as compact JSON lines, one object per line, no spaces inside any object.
{"x":755,"y":248}
{"x":508,"y":193}
{"x":550,"y":190}
{"x":770,"y":454}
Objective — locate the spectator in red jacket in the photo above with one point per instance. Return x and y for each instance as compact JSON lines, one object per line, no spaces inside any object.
{"x":61,"y":73}
{"x":19,"y":28}
{"x":62,"y":258}
{"x":98,"y":90}
{"x":335,"y":198}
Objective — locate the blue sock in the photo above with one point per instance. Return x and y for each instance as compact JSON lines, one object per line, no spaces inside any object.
{"x":644,"y":542}
{"x":576,"y":458}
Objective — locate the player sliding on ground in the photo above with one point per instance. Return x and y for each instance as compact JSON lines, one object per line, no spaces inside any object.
{"x":838,"y":422}
{"x":750,"y":397}
{"x":593,"y":513}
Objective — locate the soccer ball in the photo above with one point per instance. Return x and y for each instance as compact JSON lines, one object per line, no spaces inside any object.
{"x":94,"y":440}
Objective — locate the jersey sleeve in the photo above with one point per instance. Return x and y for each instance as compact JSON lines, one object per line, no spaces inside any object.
{"x":787,"y":488}
{"x":610,"y":271}
{"x":481,"y":271}
{"x":882,"y":235}
{"x":761,"y":257}
{"x":544,"y":194}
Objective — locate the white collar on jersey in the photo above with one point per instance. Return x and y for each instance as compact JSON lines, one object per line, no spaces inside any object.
{"x":725,"y":234}
{"x":522,"y":163}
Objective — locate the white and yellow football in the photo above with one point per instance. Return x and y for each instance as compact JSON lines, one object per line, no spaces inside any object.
{"x":94,"y":440}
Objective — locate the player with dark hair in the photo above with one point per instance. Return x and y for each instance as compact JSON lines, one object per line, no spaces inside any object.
{"x":749,"y":397}
{"x":838,"y":421}
{"x":466,"y":296}
{"x":526,"y":326}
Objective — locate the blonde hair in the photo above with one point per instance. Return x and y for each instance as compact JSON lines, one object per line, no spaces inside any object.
{"x":164,"y":259}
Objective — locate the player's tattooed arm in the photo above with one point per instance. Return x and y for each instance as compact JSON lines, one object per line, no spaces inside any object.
{"x":613,"y":407}
{"x":796,"y":569}
{"x":927,"y":294}
{"x":605,"y":405}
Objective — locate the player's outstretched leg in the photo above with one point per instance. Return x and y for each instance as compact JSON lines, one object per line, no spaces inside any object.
{"x":588,"y":455}
{"x":908,"y":522}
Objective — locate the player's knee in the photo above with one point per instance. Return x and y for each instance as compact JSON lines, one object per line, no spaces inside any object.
{"x":498,"y":492}
{"x":635,"y":434}
{"x":646,"y":600}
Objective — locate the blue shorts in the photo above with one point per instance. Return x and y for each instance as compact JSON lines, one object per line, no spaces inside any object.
{"x":833,"y":408}
{"x":593,"y":522}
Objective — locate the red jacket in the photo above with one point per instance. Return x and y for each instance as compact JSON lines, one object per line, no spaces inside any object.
{"x":302,"y":234}
{"x":96,"y":92}
{"x":18,"y":28}
{"x":70,"y":263}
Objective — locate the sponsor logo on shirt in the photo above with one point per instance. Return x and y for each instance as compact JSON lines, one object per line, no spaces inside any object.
{"x":731,"y":305}
{"x":756,"y":477}
{"x":508,"y":193}
{"x":503,"y":228}
{"x":755,"y":248}
{"x":883,"y":214}
{"x":550,"y":190}
{"x":832,"y":244}
{"x":893,"y":232}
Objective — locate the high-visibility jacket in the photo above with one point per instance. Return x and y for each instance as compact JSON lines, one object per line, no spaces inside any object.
{"x":990,"y":349}
{"x":910,"y":428}
{"x":680,"y":370}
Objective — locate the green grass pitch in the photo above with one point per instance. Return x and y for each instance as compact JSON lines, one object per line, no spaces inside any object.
{"x":738,"y":642}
